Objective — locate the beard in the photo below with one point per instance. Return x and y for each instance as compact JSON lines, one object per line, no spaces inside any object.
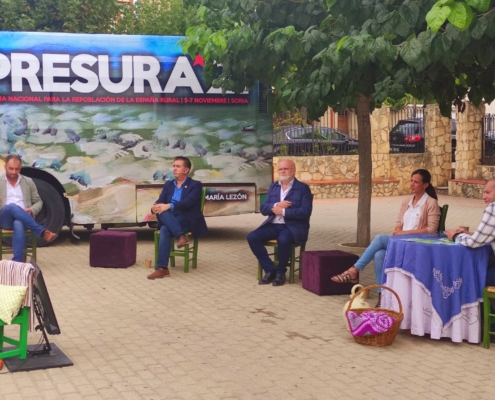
{"x":285,"y":178}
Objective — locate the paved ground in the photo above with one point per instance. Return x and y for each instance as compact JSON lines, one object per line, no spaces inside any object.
{"x":216,"y":334}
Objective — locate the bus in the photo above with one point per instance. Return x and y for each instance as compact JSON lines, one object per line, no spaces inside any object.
{"x":98,"y":119}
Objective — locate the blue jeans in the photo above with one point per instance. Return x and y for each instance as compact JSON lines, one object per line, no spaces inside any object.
{"x":375,"y":251}
{"x":285,"y":239}
{"x":14,"y":217}
{"x":173,"y":224}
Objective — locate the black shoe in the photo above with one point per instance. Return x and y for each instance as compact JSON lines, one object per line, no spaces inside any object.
{"x":279,"y":279}
{"x":268,"y":278}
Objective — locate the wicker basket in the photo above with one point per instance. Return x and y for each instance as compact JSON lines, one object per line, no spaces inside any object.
{"x":386,"y":338}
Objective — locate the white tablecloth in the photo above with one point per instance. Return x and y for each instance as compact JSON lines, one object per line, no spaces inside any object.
{"x":419,"y":315}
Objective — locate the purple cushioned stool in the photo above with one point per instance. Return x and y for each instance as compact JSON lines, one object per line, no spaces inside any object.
{"x":114,"y":249}
{"x":319,"y":267}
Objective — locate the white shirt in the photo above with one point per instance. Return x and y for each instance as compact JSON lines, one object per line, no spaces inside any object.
{"x":14,"y":194}
{"x":279,"y":219}
{"x":411,"y":216}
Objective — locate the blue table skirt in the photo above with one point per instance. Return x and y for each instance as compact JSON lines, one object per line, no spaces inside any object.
{"x":453,"y":274}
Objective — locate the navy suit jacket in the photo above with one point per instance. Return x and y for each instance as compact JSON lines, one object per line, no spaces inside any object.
{"x":189,"y":204}
{"x":297,"y":215}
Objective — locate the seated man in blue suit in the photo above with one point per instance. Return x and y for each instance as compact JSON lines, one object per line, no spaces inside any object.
{"x":288,"y":204}
{"x":178,"y":211}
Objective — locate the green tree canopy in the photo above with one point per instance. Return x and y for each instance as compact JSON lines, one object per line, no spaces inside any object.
{"x":92,"y":16}
{"x":343,"y":54}
{"x":458,"y":13}
{"x":154,"y":17}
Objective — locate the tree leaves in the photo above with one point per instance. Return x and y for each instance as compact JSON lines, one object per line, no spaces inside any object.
{"x":59,"y":15}
{"x":461,"y":15}
{"x":352,"y":46}
{"x":330,"y":3}
{"x":341,"y":42}
{"x":479,"y":28}
{"x":411,"y":51}
{"x":280,"y":37}
{"x":486,"y":55}
{"x":437,"y":16}
{"x":410,"y":12}
{"x":480,"y":5}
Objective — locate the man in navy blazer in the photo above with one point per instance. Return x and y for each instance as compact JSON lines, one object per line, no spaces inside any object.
{"x":288,"y":204}
{"x":178,"y":210}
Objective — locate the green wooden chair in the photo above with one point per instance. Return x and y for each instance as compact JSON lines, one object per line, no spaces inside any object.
{"x":488,"y":316}
{"x":443,"y":217}
{"x":190,"y":252}
{"x":22,"y":320}
{"x":294,"y":259}
{"x":7,"y":249}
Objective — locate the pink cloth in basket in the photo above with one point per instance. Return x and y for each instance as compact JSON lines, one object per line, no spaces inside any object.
{"x":369,"y":322}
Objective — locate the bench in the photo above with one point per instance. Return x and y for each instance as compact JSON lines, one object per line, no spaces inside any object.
{"x":349,"y":188}
{"x":470,"y":188}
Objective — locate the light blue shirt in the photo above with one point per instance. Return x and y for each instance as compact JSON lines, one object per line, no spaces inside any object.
{"x":177,"y":196}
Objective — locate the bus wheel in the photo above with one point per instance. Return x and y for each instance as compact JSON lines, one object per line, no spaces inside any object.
{"x":52,"y":214}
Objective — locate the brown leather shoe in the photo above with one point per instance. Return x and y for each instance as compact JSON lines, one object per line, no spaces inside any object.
{"x":49,"y":236}
{"x":159,"y":274}
{"x":182,"y":241}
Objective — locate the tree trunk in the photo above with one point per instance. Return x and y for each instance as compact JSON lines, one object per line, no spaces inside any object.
{"x":364,"y":200}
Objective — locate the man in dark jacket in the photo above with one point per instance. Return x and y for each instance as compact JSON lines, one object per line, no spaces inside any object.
{"x":288,"y":204}
{"x":178,"y":211}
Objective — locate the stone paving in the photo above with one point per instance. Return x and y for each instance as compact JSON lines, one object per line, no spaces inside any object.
{"x":216,"y":334}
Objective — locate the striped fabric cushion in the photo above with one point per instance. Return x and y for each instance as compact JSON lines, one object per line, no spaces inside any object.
{"x":14,"y":273}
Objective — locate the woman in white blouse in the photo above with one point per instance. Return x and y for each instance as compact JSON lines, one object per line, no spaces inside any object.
{"x":419,"y":214}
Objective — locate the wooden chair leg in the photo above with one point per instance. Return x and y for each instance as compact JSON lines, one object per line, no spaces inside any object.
{"x":195,"y":253}
{"x":33,"y":246}
{"x":1,"y":338}
{"x":292,"y":263}
{"x":156,"y":237}
{"x":172,"y":251}
{"x":486,"y":319}
{"x":23,"y":333}
{"x":186,"y":258}
{"x":20,"y":345}
{"x":302,"y":249}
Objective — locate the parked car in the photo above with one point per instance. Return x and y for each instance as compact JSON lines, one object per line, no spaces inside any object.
{"x":489,"y":144}
{"x":408,"y":136}
{"x":298,"y":140}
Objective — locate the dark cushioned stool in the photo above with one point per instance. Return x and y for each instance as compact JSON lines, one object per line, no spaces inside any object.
{"x":319,"y":267}
{"x":114,"y":249}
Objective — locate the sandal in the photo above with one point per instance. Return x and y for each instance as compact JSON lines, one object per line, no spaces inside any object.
{"x":345,"y":277}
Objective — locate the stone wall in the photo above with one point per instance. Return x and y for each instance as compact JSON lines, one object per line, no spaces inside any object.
{"x":351,"y":190}
{"x":401,"y":168}
{"x":469,"y":142}
{"x":473,"y":189}
{"x":485,"y":172}
{"x":322,"y":168}
{"x":398,"y":167}
{"x":438,"y":145}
